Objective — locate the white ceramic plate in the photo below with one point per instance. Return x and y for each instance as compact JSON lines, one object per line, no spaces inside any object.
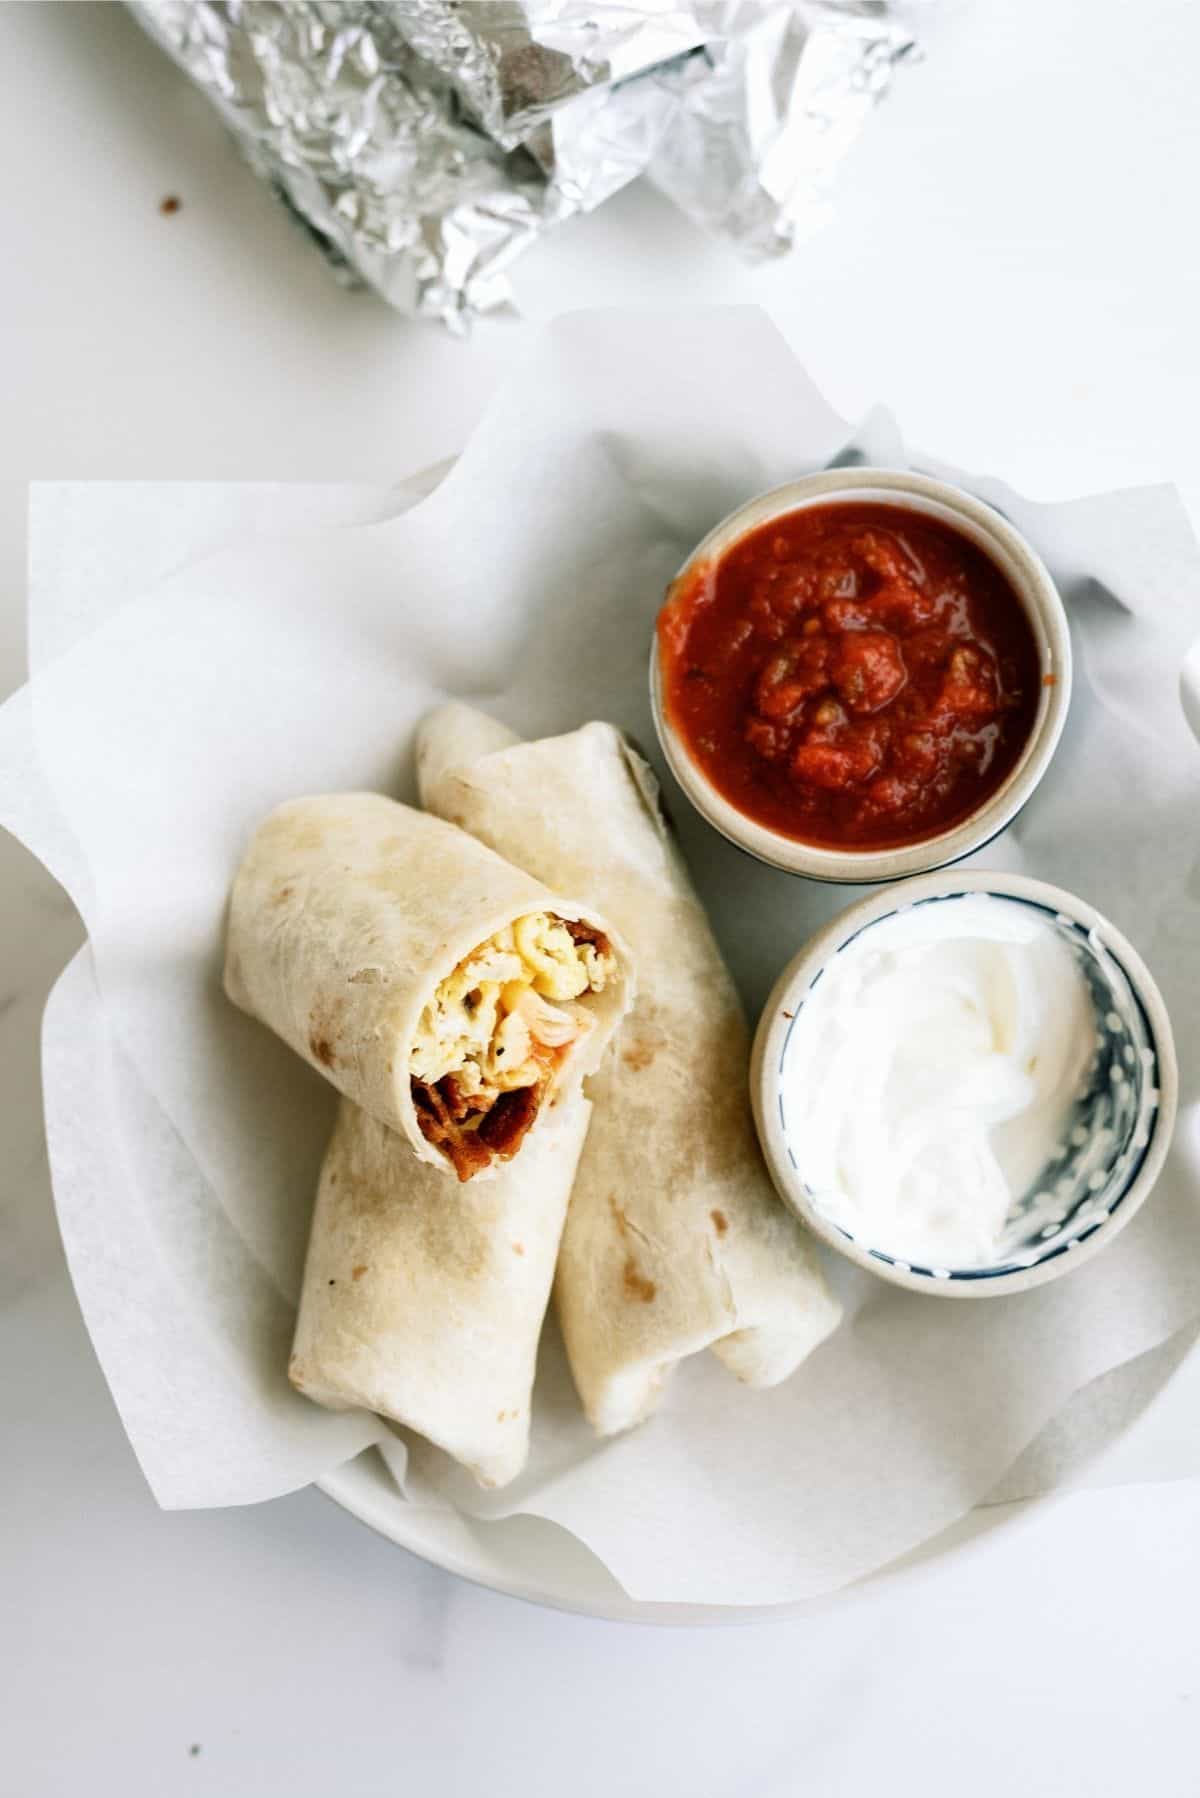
{"x":530,"y":1558}
{"x":533,"y":1559}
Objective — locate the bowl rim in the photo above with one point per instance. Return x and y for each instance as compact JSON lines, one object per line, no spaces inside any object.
{"x":814,"y":954}
{"x":991,"y":531}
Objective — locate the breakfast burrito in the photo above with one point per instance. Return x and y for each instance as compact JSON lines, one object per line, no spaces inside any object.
{"x":423,"y":1300}
{"x":675,"y":1240}
{"x":448,"y":994}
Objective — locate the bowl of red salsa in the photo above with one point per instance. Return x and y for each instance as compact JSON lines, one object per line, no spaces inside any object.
{"x":861,"y":675}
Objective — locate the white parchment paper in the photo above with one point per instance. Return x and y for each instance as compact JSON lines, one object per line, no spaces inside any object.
{"x":201,"y":653}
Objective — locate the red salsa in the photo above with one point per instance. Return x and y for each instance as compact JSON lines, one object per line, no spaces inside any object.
{"x":851,"y":675}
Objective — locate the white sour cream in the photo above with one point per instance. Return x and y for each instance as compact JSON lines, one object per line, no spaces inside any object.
{"x":932,"y":1072}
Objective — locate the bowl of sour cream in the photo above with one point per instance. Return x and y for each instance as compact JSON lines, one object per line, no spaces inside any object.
{"x":966,"y":1083}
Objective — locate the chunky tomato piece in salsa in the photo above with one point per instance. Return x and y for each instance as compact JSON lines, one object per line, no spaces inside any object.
{"x":851,"y":675}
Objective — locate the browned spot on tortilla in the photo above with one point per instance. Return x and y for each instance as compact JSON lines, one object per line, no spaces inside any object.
{"x":518,"y":1248}
{"x":638,"y":1056}
{"x":333,"y":1178}
{"x":637,"y":1286}
{"x":367,"y":977}
{"x":619,"y":1218}
{"x":324,"y":1022}
{"x":720,"y":1222}
{"x":789,"y":1015}
{"x":283,"y":894}
{"x":356,"y":1273}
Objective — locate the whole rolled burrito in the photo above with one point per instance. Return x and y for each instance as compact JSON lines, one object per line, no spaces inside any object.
{"x":424,"y":1301}
{"x":447,"y":993}
{"x":675,"y":1240}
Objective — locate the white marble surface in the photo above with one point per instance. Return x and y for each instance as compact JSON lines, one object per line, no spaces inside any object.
{"x":1012,"y":268}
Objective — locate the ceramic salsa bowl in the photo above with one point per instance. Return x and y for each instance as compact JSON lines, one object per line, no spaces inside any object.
{"x":1028,"y":578}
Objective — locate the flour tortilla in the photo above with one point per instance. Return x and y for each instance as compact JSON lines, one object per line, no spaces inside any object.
{"x":346,"y":913}
{"x":675,"y":1240}
{"x":423,"y":1300}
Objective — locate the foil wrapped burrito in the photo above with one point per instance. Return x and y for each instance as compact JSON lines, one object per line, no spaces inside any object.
{"x":443,"y":991}
{"x":675,"y":1241}
{"x":427,"y":143}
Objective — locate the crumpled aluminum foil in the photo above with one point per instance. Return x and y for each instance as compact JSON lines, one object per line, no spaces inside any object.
{"x":760,"y":131}
{"x":514,"y":62}
{"x":427,"y":143}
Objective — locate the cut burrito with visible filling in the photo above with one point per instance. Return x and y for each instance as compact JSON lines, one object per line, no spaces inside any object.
{"x":444,"y":991}
{"x":675,"y":1240}
{"x":499,"y":1030}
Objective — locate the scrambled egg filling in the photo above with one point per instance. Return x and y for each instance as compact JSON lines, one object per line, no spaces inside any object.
{"x":503,"y":1017}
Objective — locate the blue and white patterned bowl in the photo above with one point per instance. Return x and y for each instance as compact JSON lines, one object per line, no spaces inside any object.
{"x":1119,"y":1133}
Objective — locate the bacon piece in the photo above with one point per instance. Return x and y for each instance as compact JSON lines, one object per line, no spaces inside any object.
{"x":460,"y":1104}
{"x":584,"y":933}
{"x":510,"y":1119}
{"x":446,"y":1121}
{"x":464,"y":1150}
